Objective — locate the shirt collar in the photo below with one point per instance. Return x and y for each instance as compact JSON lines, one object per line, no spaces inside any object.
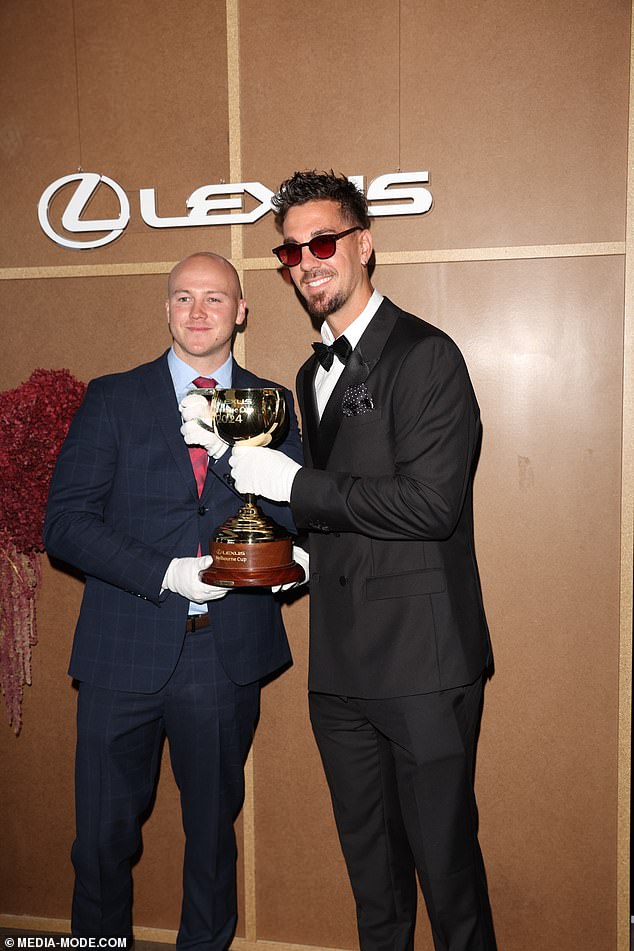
{"x":355,"y":330}
{"x":183,"y":375}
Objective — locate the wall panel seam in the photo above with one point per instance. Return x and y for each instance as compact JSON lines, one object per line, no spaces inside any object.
{"x":232,"y":9}
{"x":235,"y":143}
{"x":444,"y":256}
{"x":623,"y":871}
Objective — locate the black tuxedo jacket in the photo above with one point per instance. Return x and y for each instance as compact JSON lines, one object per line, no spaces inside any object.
{"x":386,"y":495}
{"x":123,"y":502}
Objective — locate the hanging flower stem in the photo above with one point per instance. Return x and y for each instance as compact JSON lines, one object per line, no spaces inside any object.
{"x":34,"y":420}
{"x":20,"y":576}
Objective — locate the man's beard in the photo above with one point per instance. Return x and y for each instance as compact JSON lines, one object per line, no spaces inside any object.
{"x":323,"y":306}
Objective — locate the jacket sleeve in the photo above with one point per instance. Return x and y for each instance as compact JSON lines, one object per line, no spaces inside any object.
{"x":434,"y":431}
{"x":75,"y":528}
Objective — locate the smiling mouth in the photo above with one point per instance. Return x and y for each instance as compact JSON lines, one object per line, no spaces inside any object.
{"x":318,"y":281}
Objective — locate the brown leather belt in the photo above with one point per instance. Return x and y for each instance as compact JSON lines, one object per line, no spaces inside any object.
{"x":195,"y":622}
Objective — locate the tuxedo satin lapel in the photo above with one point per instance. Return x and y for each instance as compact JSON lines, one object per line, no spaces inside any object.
{"x":160,"y":389}
{"x":362,"y":361}
{"x":375,"y":337}
{"x":310,"y":421}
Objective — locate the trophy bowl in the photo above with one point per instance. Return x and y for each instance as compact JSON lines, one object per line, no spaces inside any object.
{"x":250,"y":549}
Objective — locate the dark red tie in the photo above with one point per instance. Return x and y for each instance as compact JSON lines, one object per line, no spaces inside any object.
{"x":198,"y":455}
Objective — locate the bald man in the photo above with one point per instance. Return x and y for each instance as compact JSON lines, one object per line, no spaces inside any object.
{"x":158,"y":653}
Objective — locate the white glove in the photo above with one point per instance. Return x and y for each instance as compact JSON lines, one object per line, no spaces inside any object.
{"x":196,"y":429}
{"x":302,"y":559}
{"x":183,"y":577}
{"x":265,"y":472}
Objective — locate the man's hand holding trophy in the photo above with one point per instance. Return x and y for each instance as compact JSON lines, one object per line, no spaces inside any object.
{"x":250,"y":549}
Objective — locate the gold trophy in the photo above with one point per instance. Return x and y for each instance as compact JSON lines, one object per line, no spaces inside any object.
{"x":250,"y":549}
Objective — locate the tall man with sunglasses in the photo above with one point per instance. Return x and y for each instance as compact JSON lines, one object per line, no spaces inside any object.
{"x":399,"y":644}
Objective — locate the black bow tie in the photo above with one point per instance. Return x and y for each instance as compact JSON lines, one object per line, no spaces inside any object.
{"x":341,"y":347}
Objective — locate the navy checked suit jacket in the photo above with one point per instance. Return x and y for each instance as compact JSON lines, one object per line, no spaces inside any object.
{"x":123,"y":502}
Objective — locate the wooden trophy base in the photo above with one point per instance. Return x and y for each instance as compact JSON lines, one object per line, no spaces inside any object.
{"x":252,"y":564}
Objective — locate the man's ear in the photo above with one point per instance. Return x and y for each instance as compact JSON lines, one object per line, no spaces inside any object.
{"x":365,"y":245}
{"x":242,"y":312}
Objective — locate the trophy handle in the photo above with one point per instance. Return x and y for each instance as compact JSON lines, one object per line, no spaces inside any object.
{"x":204,"y":425}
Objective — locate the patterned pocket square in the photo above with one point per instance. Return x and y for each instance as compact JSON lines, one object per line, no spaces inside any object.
{"x":357,"y":400}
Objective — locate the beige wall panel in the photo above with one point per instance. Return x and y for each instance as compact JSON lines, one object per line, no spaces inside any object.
{"x":521,"y":117}
{"x":36,"y":780}
{"x":279,"y":332}
{"x":153,"y":85}
{"x":38,"y":129}
{"x":318,"y":90}
{"x":518,"y":112}
{"x":147,"y":107}
{"x":92,"y":326}
{"x":543,"y":340}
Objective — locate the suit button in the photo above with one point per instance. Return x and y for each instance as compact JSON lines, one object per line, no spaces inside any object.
{"x":337,"y":534}
{"x":343,"y":581}
{"x":202,"y":509}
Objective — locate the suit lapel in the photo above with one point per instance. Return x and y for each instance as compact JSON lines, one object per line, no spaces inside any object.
{"x":242,"y":379}
{"x":160,"y":389}
{"x":362,"y":361}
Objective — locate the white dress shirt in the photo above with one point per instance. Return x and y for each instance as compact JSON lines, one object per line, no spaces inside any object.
{"x":326,"y":380}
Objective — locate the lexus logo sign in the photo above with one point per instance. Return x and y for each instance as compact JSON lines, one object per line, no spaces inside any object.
{"x":88,"y":182}
{"x":208,"y":205}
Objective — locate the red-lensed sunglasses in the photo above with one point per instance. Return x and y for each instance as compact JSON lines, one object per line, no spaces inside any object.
{"x":322,"y":246}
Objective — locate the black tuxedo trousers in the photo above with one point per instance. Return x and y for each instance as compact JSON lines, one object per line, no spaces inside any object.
{"x":400,"y":773}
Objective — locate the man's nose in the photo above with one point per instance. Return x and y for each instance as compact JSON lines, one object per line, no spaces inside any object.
{"x":309,"y":262}
{"x":199,"y":309}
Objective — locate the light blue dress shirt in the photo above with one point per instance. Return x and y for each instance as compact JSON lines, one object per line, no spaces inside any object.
{"x":183,"y":377}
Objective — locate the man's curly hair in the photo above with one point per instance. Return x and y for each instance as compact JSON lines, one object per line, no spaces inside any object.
{"x":319,"y":186}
